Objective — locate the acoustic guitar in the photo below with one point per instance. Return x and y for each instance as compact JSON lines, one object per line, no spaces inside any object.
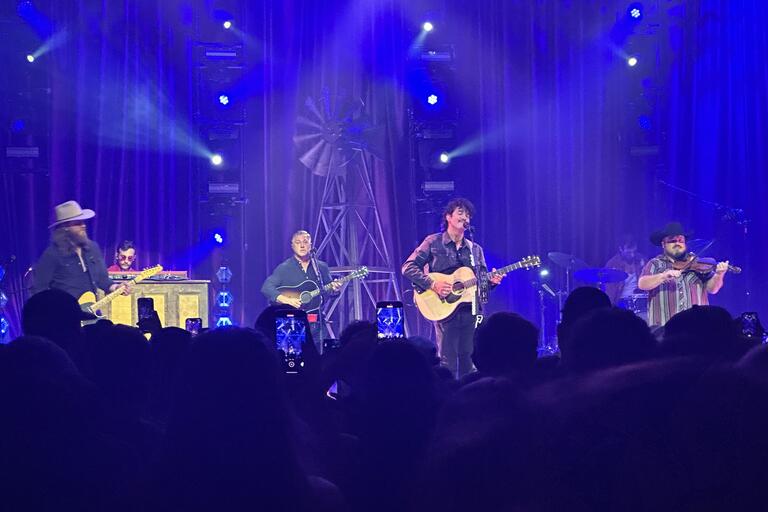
{"x":464,"y":283}
{"x":89,"y":304}
{"x":308,"y":292}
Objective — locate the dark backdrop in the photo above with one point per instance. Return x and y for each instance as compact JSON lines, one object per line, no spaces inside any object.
{"x":545,"y":98}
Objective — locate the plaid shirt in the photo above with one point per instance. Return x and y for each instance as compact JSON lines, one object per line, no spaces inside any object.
{"x":668,"y":299}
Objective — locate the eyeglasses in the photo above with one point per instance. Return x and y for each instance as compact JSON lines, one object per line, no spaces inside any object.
{"x":123,"y":257}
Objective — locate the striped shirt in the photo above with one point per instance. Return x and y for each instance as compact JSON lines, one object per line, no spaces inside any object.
{"x":668,"y":299}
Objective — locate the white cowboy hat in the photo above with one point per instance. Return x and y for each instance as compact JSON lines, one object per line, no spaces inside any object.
{"x":70,"y":211}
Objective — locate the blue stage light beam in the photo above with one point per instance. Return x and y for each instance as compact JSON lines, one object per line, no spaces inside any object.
{"x":427,"y":26}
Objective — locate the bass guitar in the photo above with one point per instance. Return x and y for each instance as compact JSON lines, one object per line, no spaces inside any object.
{"x":308,"y":292}
{"x":464,"y":283}
{"x":89,"y":304}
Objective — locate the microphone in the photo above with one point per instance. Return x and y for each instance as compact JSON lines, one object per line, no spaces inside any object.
{"x":312,"y":251}
{"x":469,"y":226}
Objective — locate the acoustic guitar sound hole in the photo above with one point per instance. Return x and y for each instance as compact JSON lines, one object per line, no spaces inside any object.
{"x":305,"y":297}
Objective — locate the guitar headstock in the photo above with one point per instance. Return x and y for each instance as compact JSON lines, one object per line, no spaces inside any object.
{"x":360,"y":272}
{"x":530,"y":262}
{"x":147,"y":273}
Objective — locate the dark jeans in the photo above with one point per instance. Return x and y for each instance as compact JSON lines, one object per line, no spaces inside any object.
{"x":455,"y":341}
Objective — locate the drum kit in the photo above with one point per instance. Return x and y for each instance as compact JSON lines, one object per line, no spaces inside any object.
{"x":577,"y":269}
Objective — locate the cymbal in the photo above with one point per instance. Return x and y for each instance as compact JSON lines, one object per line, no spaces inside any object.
{"x":600,"y":275}
{"x":566,"y":260}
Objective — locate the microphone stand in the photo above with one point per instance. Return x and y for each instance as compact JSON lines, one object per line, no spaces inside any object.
{"x":727,"y":214}
{"x":321,"y":284}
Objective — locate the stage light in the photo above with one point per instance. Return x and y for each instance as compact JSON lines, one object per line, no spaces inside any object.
{"x":432,"y":99}
{"x":224,"y":299}
{"x":644,"y":122}
{"x":224,"y":275}
{"x":635,"y":11}
{"x":223,"y":321}
{"x":30,"y":58}
{"x":5,"y":328}
{"x":544,"y":272}
{"x":18,"y":125}
{"x":3,"y":299}
{"x":632,"y":62}
{"x":216,"y":159}
{"x":445,"y":158}
{"x":218,"y":238}
{"x":428,"y":26}
{"x":223,"y":99}
{"x":227,"y":24}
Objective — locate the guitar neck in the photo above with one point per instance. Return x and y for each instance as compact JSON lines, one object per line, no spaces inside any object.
{"x":498,"y":272}
{"x":110,"y":297}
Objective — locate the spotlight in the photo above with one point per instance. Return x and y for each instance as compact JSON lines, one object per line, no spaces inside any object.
{"x":644,"y":122}
{"x":218,"y":238}
{"x":544,"y":272}
{"x":30,"y":58}
{"x":227,"y":24}
{"x":632,"y":62}
{"x":217,"y":159}
{"x":445,"y":157}
{"x":635,"y":11}
{"x":223,"y":99}
{"x":428,"y":26}
{"x":17,"y":126}
{"x":432,"y":99}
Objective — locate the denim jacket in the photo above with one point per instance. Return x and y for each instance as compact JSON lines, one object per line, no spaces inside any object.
{"x":436,"y":255}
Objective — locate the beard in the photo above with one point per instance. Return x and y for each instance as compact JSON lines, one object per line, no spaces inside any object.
{"x":682,"y":255}
{"x":67,"y":240}
{"x":79,"y":239}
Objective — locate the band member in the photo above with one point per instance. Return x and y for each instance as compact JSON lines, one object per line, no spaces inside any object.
{"x":672,"y":291}
{"x":72,"y":262}
{"x":445,"y":252}
{"x":294,"y":271}
{"x":627,"y":260}
{"x":125,"y":257}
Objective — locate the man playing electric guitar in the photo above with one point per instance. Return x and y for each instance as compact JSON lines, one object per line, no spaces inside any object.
{"x":72,"y":262}
{"x":294,"y":271}
{"x":445,"y":252}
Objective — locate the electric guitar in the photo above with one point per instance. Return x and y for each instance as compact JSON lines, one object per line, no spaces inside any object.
{"x":309,"y":293}
{"x":89,"y":304}
{"x":464,"y":283}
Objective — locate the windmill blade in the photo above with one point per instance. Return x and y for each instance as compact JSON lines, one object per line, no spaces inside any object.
{"x":311,"y":158}
{"x":308,"y":123}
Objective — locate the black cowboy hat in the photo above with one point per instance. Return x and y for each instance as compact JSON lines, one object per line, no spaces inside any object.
{"x":671,"y":229}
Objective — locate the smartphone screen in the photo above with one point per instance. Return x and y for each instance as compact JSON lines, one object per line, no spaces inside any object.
{"x":290,"y":335}
{"x":193,"y":325}
{"x":750,"y":325}
{"x":390,"y":321}
{"x":146,"y":307}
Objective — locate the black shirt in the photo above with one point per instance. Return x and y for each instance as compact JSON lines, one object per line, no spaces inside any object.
{"x":290,"y":273}
{"x":62,"y":271}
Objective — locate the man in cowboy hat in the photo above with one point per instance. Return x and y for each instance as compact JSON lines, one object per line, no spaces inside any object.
{"x":671,"y":291}
{"x":72,"y":262}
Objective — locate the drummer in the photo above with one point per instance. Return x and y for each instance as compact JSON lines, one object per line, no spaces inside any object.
{"x":628,"y":260}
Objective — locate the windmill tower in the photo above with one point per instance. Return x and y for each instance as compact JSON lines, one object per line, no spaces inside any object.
{"x":336,"y":142}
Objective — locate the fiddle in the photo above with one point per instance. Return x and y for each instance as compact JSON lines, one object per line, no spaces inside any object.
{"x":701,"y":265}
